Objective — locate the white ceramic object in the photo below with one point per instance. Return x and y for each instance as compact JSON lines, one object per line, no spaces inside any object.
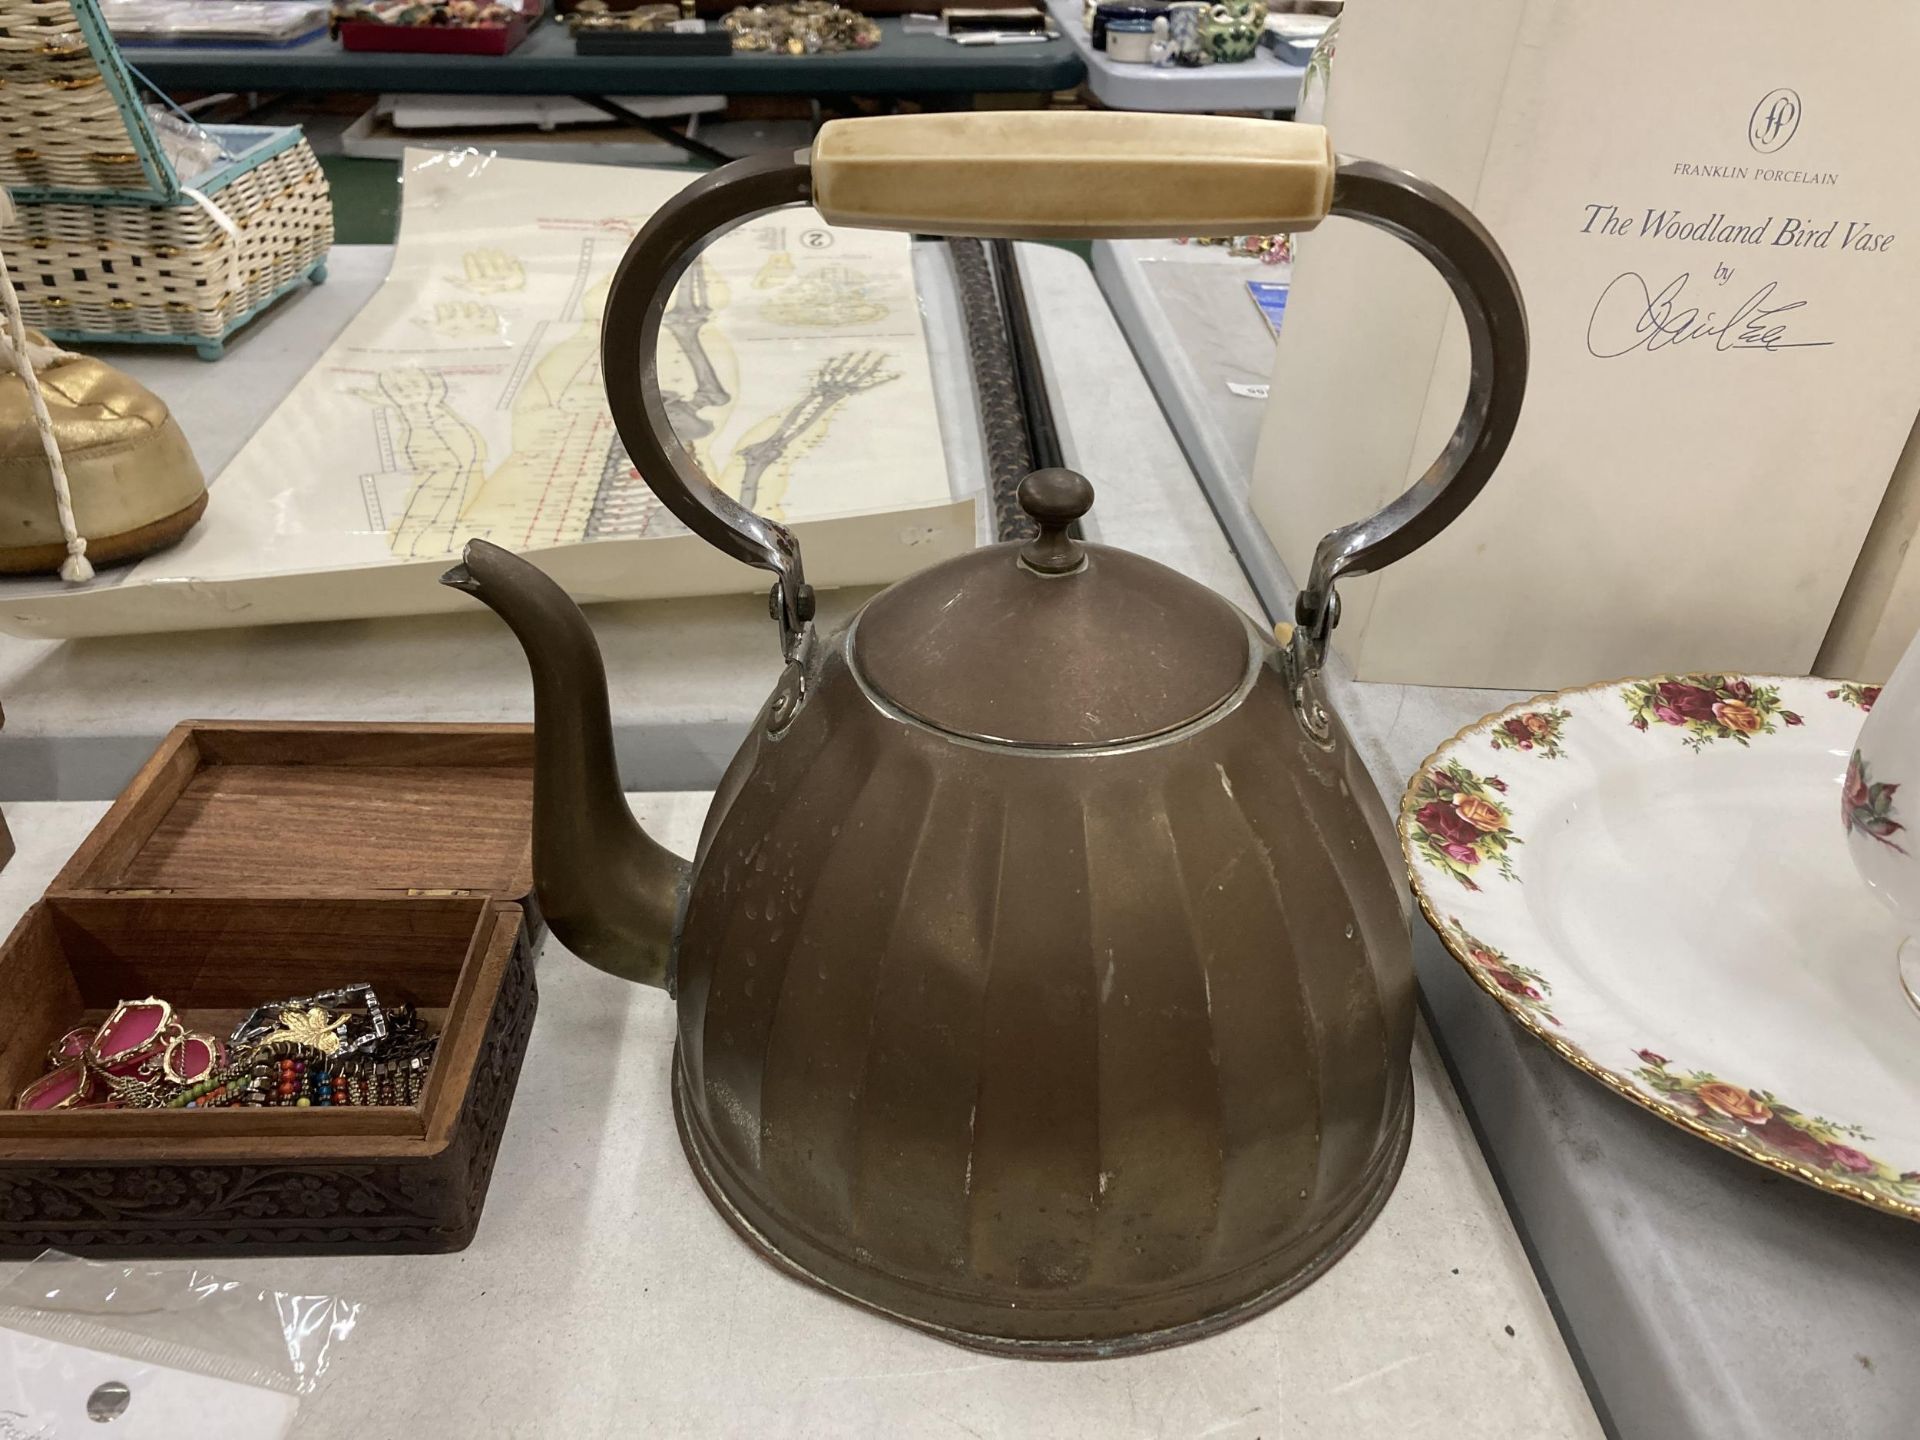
{"x":1183,"y":26}
{"x":1878,"y":822}
{"x":1129,"y":42}
{"x":1649,"y":876}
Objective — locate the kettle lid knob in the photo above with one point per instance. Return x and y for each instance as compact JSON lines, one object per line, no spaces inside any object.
{"x":1055,"y":499}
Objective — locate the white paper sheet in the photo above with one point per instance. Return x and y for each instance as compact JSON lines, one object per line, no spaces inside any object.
{"x":45,"y":1386}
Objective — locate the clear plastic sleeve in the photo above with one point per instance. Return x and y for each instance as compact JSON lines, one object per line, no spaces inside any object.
{"x":158,"y":1350}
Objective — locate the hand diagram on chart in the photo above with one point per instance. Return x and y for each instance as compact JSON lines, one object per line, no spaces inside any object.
{"x":465,"y":320}
{"x":491,"y":272}
{"x":828,"y":296}
{"x":780,"y":441}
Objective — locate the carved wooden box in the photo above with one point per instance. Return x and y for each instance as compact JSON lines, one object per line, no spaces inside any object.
{"x":253,"y":862}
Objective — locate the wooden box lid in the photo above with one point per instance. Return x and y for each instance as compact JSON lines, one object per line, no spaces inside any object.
{"x":285,"y":807}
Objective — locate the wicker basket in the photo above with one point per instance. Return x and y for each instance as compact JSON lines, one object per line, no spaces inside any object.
{"x":108,"y":243}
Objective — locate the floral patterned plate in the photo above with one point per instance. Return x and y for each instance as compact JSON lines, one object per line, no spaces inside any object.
{"x":1652,"y":876}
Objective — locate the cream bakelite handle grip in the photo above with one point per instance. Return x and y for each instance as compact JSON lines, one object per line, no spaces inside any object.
{"x":1072,"y":174}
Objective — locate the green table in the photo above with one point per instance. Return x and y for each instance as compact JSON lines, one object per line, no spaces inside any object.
{"x":902,"y":64}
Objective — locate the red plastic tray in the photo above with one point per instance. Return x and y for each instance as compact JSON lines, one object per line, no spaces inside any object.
{"x":434,"y":39}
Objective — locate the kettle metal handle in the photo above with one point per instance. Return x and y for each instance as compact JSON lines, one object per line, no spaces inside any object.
{"x":1068,"y":174}
{"x":630,"y":366}
{"x":1459,"y":247}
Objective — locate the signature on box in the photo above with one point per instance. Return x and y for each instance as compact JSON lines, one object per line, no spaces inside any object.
{"x":1631,"y":315}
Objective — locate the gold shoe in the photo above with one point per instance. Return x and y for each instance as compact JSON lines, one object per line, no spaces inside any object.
{"x":133,"y":481}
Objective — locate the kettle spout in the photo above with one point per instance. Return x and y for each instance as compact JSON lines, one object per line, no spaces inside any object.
{"x":610,"y":893}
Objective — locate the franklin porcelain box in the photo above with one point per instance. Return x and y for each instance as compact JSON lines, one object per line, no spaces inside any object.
{"x":1718,"y":240}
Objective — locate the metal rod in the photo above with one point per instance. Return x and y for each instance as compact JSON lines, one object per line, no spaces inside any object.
{"x":1043,"y":435}
{"x":1003,"y":422}
{"x":699,"y":149}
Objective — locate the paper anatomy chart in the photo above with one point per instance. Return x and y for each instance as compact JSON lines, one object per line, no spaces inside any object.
{"x":466,"y":400}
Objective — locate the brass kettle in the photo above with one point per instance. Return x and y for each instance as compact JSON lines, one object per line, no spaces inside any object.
{"x":1042,"y":979}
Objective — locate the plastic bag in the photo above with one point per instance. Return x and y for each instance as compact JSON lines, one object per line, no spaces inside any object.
{"x":189,"y":149}
{"x":157,"y":1352}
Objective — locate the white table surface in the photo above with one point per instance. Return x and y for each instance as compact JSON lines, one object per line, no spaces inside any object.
{"x":1704,"y":1296}
{"x":1264,"y":82}
{"x":604,"y":1296}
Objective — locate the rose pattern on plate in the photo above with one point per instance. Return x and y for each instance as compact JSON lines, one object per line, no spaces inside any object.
{"x":1761,"y":1119}
{"x":1539,"y":731}
{"x":1460,"y":823}
{"x":1527,"y":989}
{"x":1829,"y":1154}
{"x":1861,"y":697}
{"x":1866,"y":805}
{"x":1707,"y":707}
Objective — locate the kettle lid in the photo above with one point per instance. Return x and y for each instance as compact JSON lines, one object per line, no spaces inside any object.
{"x":1056,"y":644}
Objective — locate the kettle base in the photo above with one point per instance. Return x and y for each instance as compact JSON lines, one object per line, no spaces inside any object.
{"x":837,"y":1275}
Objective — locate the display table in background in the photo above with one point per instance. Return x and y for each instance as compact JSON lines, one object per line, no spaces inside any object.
{"x":603,"y":1295}
{"x":1261,"y":83}
{"x":925,"y":66}
{"x":1706,"y":1297}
